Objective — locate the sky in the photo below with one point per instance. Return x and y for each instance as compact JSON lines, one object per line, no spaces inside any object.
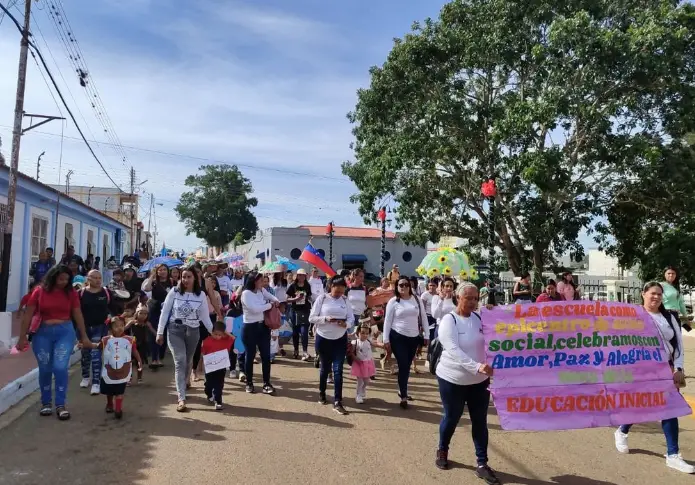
{"x":264,"y":84}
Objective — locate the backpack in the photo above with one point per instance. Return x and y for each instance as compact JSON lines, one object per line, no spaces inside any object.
{"x":435,"y":350}
{"x":108,"y":294}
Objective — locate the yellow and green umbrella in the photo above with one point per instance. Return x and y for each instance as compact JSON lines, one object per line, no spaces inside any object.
{"x":447,"y":262}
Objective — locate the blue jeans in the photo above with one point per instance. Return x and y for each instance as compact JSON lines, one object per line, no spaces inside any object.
{"x":670,"y":428}
{"x":52,"y":346}
{"x":93,"y":357}
{"x":332,"y":354}
{"x":300,"y":328}
{"x":256,"y":335}
{"x":404,"y":349}
{"x":454,"y":398}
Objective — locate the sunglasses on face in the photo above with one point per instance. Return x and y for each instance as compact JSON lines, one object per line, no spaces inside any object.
{"x":404,"y":285}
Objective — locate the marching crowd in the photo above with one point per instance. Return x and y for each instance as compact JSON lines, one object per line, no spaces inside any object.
{"x":218,"y":322}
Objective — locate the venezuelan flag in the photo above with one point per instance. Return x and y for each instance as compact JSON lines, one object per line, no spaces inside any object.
{"x":311,"y":255}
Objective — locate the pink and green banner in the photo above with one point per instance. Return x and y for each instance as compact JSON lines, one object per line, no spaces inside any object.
{"x":579,"y":364}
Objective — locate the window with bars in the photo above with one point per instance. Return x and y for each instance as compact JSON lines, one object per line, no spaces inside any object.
{"x":90,"y":242}
{"x":39,"y":236}
{"x":69,"y":240}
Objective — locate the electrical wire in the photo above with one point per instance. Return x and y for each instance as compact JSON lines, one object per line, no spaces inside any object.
{"x":32,"y":45}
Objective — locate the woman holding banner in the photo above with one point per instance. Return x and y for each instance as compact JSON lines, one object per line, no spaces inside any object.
{"x":464,"y":378}
{"x":652,"y":296}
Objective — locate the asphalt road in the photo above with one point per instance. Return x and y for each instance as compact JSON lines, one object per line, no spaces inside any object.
{"x":291,"y":439}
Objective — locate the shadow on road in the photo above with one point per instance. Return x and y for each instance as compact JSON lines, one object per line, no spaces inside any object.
{"x":558,"y":480}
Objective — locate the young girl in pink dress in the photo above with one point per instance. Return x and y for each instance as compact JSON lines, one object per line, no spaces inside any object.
{"x":363,"y":363}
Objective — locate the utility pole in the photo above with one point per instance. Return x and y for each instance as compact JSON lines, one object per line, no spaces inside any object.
{"x":67,"y":182}
{"x":38,"y":165}
{"x":132,"y":209}
{"x":89,"y":196}
{"x":14,"y":158}
{"x":330,"y":231}
{"x":150,"y":248}
{"x":106,"y":204}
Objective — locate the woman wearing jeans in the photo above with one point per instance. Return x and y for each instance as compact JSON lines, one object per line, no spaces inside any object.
{"x":670,"y":332}
{"x":404,"y":324}
{"x":464,"y":378}
{"x":57,"y":303}
{"x":332,"y":315}
{"x":185,"y":307}
{"x":255,"y":334}
{"x":159,"y":283}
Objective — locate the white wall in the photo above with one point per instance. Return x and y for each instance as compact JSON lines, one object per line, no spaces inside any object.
{"x":60,"y":239}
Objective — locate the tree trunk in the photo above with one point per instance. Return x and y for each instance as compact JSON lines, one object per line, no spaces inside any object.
{"x":538,"y":261}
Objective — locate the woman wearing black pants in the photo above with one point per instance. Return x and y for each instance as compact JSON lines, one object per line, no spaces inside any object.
{"x":404,"y":324}
{"x":255,"y":334}
{"x":463,"y":378}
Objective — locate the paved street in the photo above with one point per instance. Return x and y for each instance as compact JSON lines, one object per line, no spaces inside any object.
{"x":290,"y":439}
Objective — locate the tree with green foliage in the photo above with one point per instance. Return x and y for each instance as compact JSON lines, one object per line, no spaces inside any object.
{"x":218,"y":208}
{"x":559,"y":102}
{"x":652,"y":220}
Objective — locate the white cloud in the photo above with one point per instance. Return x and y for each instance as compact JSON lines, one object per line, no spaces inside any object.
{"x":183,"y":91}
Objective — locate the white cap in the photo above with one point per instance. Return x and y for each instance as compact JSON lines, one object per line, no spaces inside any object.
{"x":301,"y":271}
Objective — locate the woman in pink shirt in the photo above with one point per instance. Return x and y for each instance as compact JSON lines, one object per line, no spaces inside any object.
{"x":567,"y":287}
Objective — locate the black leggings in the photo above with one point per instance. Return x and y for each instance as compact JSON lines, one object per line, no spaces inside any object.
{"x":203,"y":335}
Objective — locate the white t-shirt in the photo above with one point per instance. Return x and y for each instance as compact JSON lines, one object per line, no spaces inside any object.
{"x":225,"y":283}
{"x":427,"y":301}
{"x":441,"y":307}
{"x":358,"y":299}
{"x":463,"y":349}
{"x":234,"y":284}
{"x":317,"y":288}
{"x":280,"y":291}
{"x":253,"y":304}
{"x":404,"y":317}
{"x":363,"y":349}
{"x":326,"y":308}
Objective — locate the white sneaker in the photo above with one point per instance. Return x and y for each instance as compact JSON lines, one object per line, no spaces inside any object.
{"x":242,"y":377}
{"x":96,"y":389}
{"x":621,"y":442}
{"x":219,"y":407}
{"x":359,"y":400}
{"x":233,"y":374}
{"x":678,"y":463}
{"x":84,"y":383}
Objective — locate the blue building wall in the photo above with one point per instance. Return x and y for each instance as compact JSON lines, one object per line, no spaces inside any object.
{"x":36,"y":200}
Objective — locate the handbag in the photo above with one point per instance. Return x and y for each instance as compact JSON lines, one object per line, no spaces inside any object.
{"x":272,"y":318}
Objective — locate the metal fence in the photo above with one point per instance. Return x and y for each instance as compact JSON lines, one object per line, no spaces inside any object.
{"x":593,"y":290}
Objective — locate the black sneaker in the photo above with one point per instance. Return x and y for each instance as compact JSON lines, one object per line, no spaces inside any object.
{"x":404,"y":404}
{"x":486,"y":473}
{"x":323,"y":400}
{"x":409,"y":398}
{"x":442,"y":461}
{"x":118,"y":414}
{"x":109,"y":409}
{"x":268,"y":389}
{"x":338,"y":408}
{"x":250,"y":389}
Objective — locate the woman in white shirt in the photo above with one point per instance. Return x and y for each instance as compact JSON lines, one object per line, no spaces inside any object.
{"x":444,"y":302}
{"x":404,"y":325}
{"x":670,"y":331}
{"x":279,"y":286}
{"x":331,"y":314}
{"x":464,"y":378}
{"x":255,"y":334}
{"x":183,"y":311}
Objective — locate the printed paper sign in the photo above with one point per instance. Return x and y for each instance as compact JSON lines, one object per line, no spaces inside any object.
{"x":216,"y":361}
{"x":579,"y":364}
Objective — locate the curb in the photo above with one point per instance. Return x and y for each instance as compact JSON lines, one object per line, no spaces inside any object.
{"x":17,"y":390}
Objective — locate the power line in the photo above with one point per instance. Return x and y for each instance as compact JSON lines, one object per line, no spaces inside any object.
{"x":60,"y":94}
{"x":204,"y":159}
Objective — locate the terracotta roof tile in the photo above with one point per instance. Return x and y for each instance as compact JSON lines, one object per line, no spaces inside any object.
{"x":363,"y":232}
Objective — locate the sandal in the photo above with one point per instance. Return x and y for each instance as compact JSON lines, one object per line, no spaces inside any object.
{"x":62,"y":413}
{"x":46,"y":410}
{"x":181,"y":408}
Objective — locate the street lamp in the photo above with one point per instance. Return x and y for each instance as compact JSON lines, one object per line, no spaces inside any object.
{"x":381,"y":215}
{"x":329,"y":232}
{"x":489,"y":190}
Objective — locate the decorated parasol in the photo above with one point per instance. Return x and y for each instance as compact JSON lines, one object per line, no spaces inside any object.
{"x":272,"y":267}
{"x":447,"y":262}
{"x":289,"y":265}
